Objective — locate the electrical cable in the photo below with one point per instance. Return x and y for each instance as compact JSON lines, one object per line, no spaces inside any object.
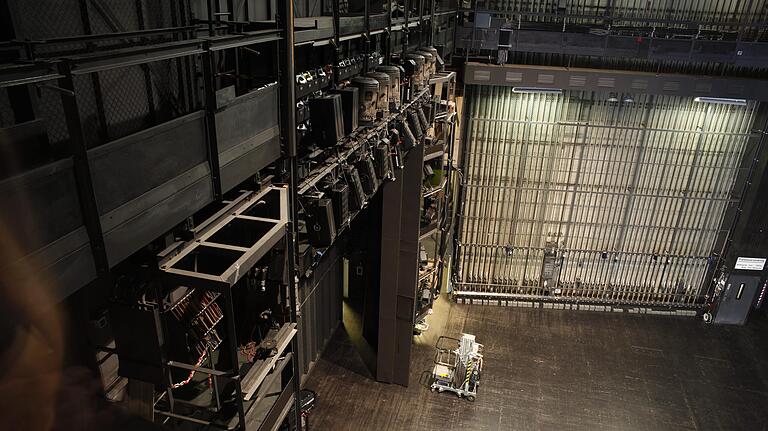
{"x":191,"y":373}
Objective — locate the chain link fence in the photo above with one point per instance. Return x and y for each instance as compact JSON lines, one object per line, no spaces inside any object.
{"x":112,"y":103}
{"x":118,"y":102}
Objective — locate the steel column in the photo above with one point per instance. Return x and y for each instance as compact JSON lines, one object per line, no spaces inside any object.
{"x":286,"y":78}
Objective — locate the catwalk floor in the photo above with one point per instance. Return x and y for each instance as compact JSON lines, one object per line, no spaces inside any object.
{"x":560,"y":370}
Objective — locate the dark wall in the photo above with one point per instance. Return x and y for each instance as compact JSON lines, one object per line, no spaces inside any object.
{"x":399,"y":262}
{"x":750,"y":233}
{"x":364,"y":253}
{"x":320,"y":297}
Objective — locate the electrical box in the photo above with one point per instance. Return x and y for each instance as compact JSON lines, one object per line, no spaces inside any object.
{"x":737,"y":299}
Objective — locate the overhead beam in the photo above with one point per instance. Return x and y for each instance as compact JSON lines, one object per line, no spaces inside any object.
{"x":582,"y":79}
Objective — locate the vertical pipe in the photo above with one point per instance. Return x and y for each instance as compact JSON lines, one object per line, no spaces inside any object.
{"x":430,"y":40}
{"x":288,"y":132}
{"x":336,"y":35}
{"x":209,"y":6}
{"x":463,"y":138}
{"x":229,"y":316}
{"x":367,"y":31}
{"x":407,"y":15}
{"x":388,"y":40}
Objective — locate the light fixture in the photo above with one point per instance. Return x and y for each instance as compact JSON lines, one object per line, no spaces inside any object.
{"x":613,"y":97}
{"x":541,"y":90}
{"x":628,"y":99}
{"x":721,"y":101}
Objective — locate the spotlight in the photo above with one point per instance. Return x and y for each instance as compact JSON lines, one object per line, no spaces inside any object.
{"x":540,"y":90}
{"x":721,"y":101}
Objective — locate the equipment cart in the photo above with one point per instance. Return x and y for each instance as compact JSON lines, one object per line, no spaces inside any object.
{"x":458,"y":364}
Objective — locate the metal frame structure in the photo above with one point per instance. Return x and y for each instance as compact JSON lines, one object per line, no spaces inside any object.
{"x":620,"y":82}
{"x":618,"y":29}
{"x":171,"y":193}
{"x":101,"y":208}
{"x":457,"y":366}
{"x":439,"y":231}
{"x":219,"y":141}
{"x":614,"y":202}
{"x":188,"y":266}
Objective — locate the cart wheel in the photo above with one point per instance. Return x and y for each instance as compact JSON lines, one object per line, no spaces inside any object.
{"x":470,"y":398}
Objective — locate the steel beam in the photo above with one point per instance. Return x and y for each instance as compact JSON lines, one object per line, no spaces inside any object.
{"x":630,"y":82}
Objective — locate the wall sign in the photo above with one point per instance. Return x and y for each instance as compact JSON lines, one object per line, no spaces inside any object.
{"x":750,"y":263}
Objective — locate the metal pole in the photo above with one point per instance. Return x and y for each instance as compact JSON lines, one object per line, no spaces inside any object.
{"x":209,"y":6}
{"x":407,"y":16}
{"x":388,"y":47}
{"x":288,"y":125}
{"x":209,"y":81}
{"x":463,"y":140}
{"x":229,"y":317}
{"x":83,"y":179}
{"x":367,"y":35}
{"x":336,"y":36}
{"x":430,"y":41}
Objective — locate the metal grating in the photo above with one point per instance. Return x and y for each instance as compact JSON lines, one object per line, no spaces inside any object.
{"x":546,"y":78}
{"x":482,"y":75}
{"x":606,"y":82}
{"x":577,"y":81}
{"x":118,"y":102}
{"x":580,"y":199}
{"x":671,"y":86}
{"x":514,"y":77}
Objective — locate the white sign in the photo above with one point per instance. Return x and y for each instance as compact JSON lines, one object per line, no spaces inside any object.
{"x":750,"y":263}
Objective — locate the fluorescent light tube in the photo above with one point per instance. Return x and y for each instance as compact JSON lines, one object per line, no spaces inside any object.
{"x":526,"y":90}
{"x":721,"y":101}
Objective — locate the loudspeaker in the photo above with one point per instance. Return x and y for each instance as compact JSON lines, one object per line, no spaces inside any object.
{"x":320,"y":222}
{"x":349,"y":104}
{"x":356,"y":193}
{"x":327,"y":119}
{"x":340,"y":197}
{"x":368,"y":176}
